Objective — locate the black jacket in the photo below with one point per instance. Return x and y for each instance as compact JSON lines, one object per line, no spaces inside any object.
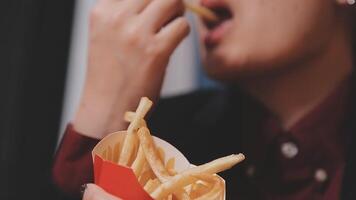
{"x":206,"y":125}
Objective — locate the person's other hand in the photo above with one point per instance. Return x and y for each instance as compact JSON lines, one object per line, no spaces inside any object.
{"x":93,"y":192}
{"x":129,"y":48}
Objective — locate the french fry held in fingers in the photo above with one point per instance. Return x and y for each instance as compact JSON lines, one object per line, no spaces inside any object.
{"x":201,"y":11}
{"x":133,"y":164}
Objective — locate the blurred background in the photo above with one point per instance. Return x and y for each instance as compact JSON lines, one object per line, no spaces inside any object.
{"x":43,"y":46}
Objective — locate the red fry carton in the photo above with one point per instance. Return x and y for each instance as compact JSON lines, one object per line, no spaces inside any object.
{"x":121,"y":181}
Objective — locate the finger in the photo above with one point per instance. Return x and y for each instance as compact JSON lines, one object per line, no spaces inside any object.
{"x":136,"y":6}
{"x":105,"y":1}
{"x":124,"y":7}
{"x":104,"y":9}
{"x":159,"y":12}
{"x":140,"y":5}
{"x":93,"y":192}
{"x":174,"y":33}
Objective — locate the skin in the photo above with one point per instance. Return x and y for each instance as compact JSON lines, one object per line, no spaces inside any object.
{"x":129,"y":48}
{"x":287,"y":54}
{"x":94,"y":192}
{"x":277,"y":34}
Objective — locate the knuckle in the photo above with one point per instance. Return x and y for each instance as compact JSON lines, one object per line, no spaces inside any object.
{"x":151,"y":52}
{"x":155,"y":51}
{"x":183,"y":22}
{"x":132,"y":37}
{"x":176,"y":3}
{"x":132,"y":41}
{"x":104,"y":14}
{"x":185,"y":26}
{"x":177,"y":6}
{"x":133,"y":30}
{"x":117,"y":17}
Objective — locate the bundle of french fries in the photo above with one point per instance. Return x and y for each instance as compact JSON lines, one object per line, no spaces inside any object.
{"x":157,"y":174}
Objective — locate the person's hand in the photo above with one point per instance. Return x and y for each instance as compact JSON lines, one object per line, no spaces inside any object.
{"x":129,"y":48}
{"x":93,"y":192}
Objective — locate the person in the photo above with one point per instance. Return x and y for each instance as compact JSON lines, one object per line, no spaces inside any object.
{"x":288,"y":101}
{"x":93,"y":192}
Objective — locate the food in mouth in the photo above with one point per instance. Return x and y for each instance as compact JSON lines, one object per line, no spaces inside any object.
{"x":201,"y":11}
{"x":216,"y":30}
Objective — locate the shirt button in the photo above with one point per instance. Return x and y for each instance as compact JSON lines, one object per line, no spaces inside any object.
{"x":289,"y":149}
{"x":250,"y":171}
{"x":320,"y":175}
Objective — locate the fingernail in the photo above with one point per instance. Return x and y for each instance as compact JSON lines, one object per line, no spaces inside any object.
{"x":83,"y":188}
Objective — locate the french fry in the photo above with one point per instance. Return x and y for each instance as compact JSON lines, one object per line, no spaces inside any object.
{"x":129,"y":117}
{"x":215,"y":191}
{"x":151,"y":154}
{"x":218,"y":165}
{"x":151,"y":185}
{"x":135,"y":146}
{"x":116,"y":152}
{"x":161,"y":154}
{"x":170,"y":166}
{"x":168,"y":187}
{"x":105,"y":154}
{"x":146,"y":176}
{"x":127,"y":149}
{"x":187,"y":177}
{"x":154,"y":156}
{"x":146,"y":167}
{"x":110,"y":153}
{"x":181,"y":194}
{"x":138,"y":164}
{"x":198,"y":189}
{"x":202,"y":11}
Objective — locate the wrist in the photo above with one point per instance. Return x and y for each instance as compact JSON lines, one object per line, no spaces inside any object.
{"x":98,"y":116}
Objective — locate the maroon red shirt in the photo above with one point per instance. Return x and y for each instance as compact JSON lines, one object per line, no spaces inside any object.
{"x":305,"y":162}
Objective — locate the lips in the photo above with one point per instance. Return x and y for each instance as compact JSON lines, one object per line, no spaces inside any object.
{"x":216,"y":30}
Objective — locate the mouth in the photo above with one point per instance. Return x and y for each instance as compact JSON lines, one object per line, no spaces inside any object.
{"x":216,"y":30}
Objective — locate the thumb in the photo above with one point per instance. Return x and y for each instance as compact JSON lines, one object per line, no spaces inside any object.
{"x":94,"y":192}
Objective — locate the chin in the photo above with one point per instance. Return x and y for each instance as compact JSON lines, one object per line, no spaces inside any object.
{"x":225,"y":65}
{"x":231,"y":66}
